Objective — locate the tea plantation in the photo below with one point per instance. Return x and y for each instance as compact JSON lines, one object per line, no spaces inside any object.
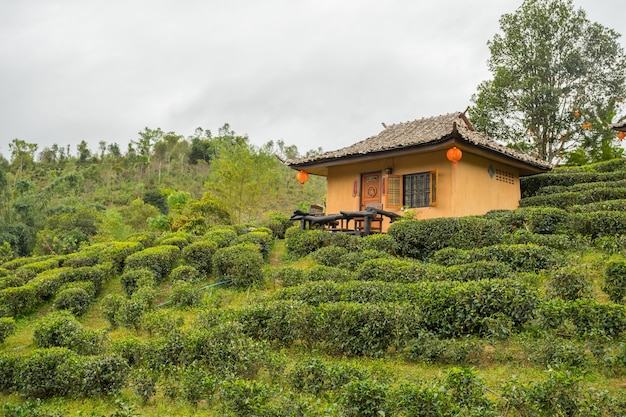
{"x":514,"y":313}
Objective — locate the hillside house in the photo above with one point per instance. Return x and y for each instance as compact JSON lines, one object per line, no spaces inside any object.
{"x":405,"y":167}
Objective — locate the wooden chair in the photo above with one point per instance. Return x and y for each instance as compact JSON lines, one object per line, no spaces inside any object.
{"x":376,"y":222}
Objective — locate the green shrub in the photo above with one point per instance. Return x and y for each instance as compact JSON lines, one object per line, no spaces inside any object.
{"x":7,"y":328}
{"x":556,"y":352}
{"x":12,"y":281}
{"x":47,"y":283}
{"x":223,"y":236}
{"x":75,"y":297}
{"x":474,"y":271}
{"x":325,"y":273}
{"x":111,"y":305}
{"x":262,"y":239}
{"x":185,"y":295}
{"x":117,"y":252}
{"x":287,"y":276}
{"x":430,"y":348}
{"x":61,"y":329}
{"x":15,"y":301}
{"x":570,"y":198}
{"x":523,"y":257}
{"x":606,"y":205}
{"x":530,"y":185}
{"x":329,"y":255}
{"x":130,"y":349}
{"x":245,"y":398}
{"x":97,"y":275}
{"x":347,"y":241}
{"x":102,"y":375}
{"x":46,"y":373}
{"x":186,"y":273}
{"x":381,"y":242}
{"x":200,"y":255}
{"x":314,"y":376}
{"x":559,"y":241}
{"x":365,"y":397}
{"x":242,"y":264}
{"x":279,"y":322}
{"x":467,"y":392}
{"x":416,"y":400}
{"x":615,"y":280}
{"x":159,"y":259}
{"x":570,"y":283}
{"x":225,"y":351}
{"x":421,"y":238}
{"x":390,"y":270}
{"x":43,"y":265}
{"x":588,"y":317}
{"x":161,"y":322}
{"x":278,"y":223}
{"x":144,"y":384}
{"x":180,"y":239}
{"x":134,"y":278}
{"x":540,"y":220}
{"x":9,"y":364}
{"x":598,"y":224}
{"x":130,"y":311}
{"x":300,"y":243}
{"x":146,"y":239}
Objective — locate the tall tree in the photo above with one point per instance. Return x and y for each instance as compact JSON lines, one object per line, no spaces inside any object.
{"x":556,"y":77}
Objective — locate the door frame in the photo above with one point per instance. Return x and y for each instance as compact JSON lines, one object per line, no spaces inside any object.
{"x":363,"y":191}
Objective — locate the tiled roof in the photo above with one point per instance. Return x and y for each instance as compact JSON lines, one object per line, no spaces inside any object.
{"x":418,"y":133}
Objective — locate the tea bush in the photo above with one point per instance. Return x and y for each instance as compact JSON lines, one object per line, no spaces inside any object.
{"x":262,"y":239}
{"x":75,"y":297}
{"x":200,"y":255}
{"x":415,"y":400}
{"x":61,"y":329}
{"x":390,"y":270}
{"x":300,"y":243}
{"x":278,"y":223}
{"x":7,"y":328}
{"x":160,"y":322}
{"x":421,"y":238}
{"x":615,"y":279}
{"x":329,"y":255}
{"x":15,"y":301}
{"x":598,"y":223}
{"x":570,"y":283}
{"x":570,"y":198}
{"x":287,"y":276}
{"x":97,"y":275}
{"x":242,"y":264}
{"x":46,"y":373}
{"x":185,"y":295}
{"x":430,"y":348}
{"x":522,"y":257}
{"x":279,"y":322}
{"x":314,"y":376}
{"x":117,"y":252}
{"x":381,"y":242}
{"x":9,"y":363}
{"x":530,"y":185}
{"x":134,"y":278}
{"x":606,"y":205}
{"x":159,"y":259}
{"x":363,"y":398}
{"x":353,"y":260}
{"x":326,"y":273}
{"x":102,"y":375}
{"x":186,"y":273}
{"x":246,"y":398}
{"x":223,"y":236}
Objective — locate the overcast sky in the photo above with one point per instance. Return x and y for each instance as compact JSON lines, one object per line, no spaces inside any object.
{"x":314,"y":73}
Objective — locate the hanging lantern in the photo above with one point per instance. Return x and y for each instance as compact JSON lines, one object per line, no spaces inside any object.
{"x":454,"y":155}
{"x":302,"y":177}
{"x":576,"y":113}
{"x":587,"y":126}
{"x":621,"y":135}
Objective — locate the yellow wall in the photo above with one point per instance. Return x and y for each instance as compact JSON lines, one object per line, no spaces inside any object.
{"x":467,"y":190}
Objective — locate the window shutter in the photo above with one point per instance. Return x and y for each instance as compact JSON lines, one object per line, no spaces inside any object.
{"x":394,"y":192}
{"x":434,"y":180}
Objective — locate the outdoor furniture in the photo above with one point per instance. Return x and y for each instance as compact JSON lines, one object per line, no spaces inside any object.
{"x":363,"y":222}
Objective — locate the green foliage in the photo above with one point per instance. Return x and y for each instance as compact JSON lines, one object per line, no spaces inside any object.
{"x":467,"y":392}
{"x":430,"y":348}
{"x":522,"y":257}
{"x":199,"y":255}
{"x":61,"y":329}
{"x":421,"y":238}
{"x":223,"y":236}
{"x":7,"y":328}
{"x":329,"y":255}
{"x":161,"y":322}
{"x":185,"y":295}
{"x":531,"y":185}
{"x":570,"y":283}
{"x":365,"y":397}
{"x":314,"y":376}
{"x":570,"y":198}
{"x":380,"y":242}
{"x":325,"y":273}
{"x":286,"y":275}
{"x":18,"y":300}
{"x":186,"y":273}
{"x":245,"y":398}
{"x":144,"y":384}
{"x":159,"y":259}
{"x":134,"y":278}
{"x":75,"y":297}
{"x":598,"y":223}
{"x":242,"y":264}
{"x":260,"y":238}
{"x":302,"y":242}
{"x":48,"y":373}
{"x":278,"y":223}
{"x":615,"y":280}
{"x":415,"y":400}
{"x":541,"y":220}
{"x":543,"y":75}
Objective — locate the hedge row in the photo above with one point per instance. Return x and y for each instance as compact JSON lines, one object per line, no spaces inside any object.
{"x":23,"y":299}
{"x":445,"y":308}
{"x":555,"y":189}
{"x":532,"y":184}
{"x":159,"y":259}
{"x":521,"y":257}
{"x":571,"y":198}
{"x":46,"y":373}
{"x":587,"y":317}
{"x":421,"y":238}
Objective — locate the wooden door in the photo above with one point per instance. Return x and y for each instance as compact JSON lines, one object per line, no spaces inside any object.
{"x":370,"y":189}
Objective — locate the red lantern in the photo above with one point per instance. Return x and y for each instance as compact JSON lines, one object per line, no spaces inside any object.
{"x":621,"y":135}
{"x":576,"y":113}
{"x":302,"y":177}
{"x":454,"y":155}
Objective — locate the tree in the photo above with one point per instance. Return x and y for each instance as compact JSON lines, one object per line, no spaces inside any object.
{"x":22,"y":154}
{"x":556,"y":77}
